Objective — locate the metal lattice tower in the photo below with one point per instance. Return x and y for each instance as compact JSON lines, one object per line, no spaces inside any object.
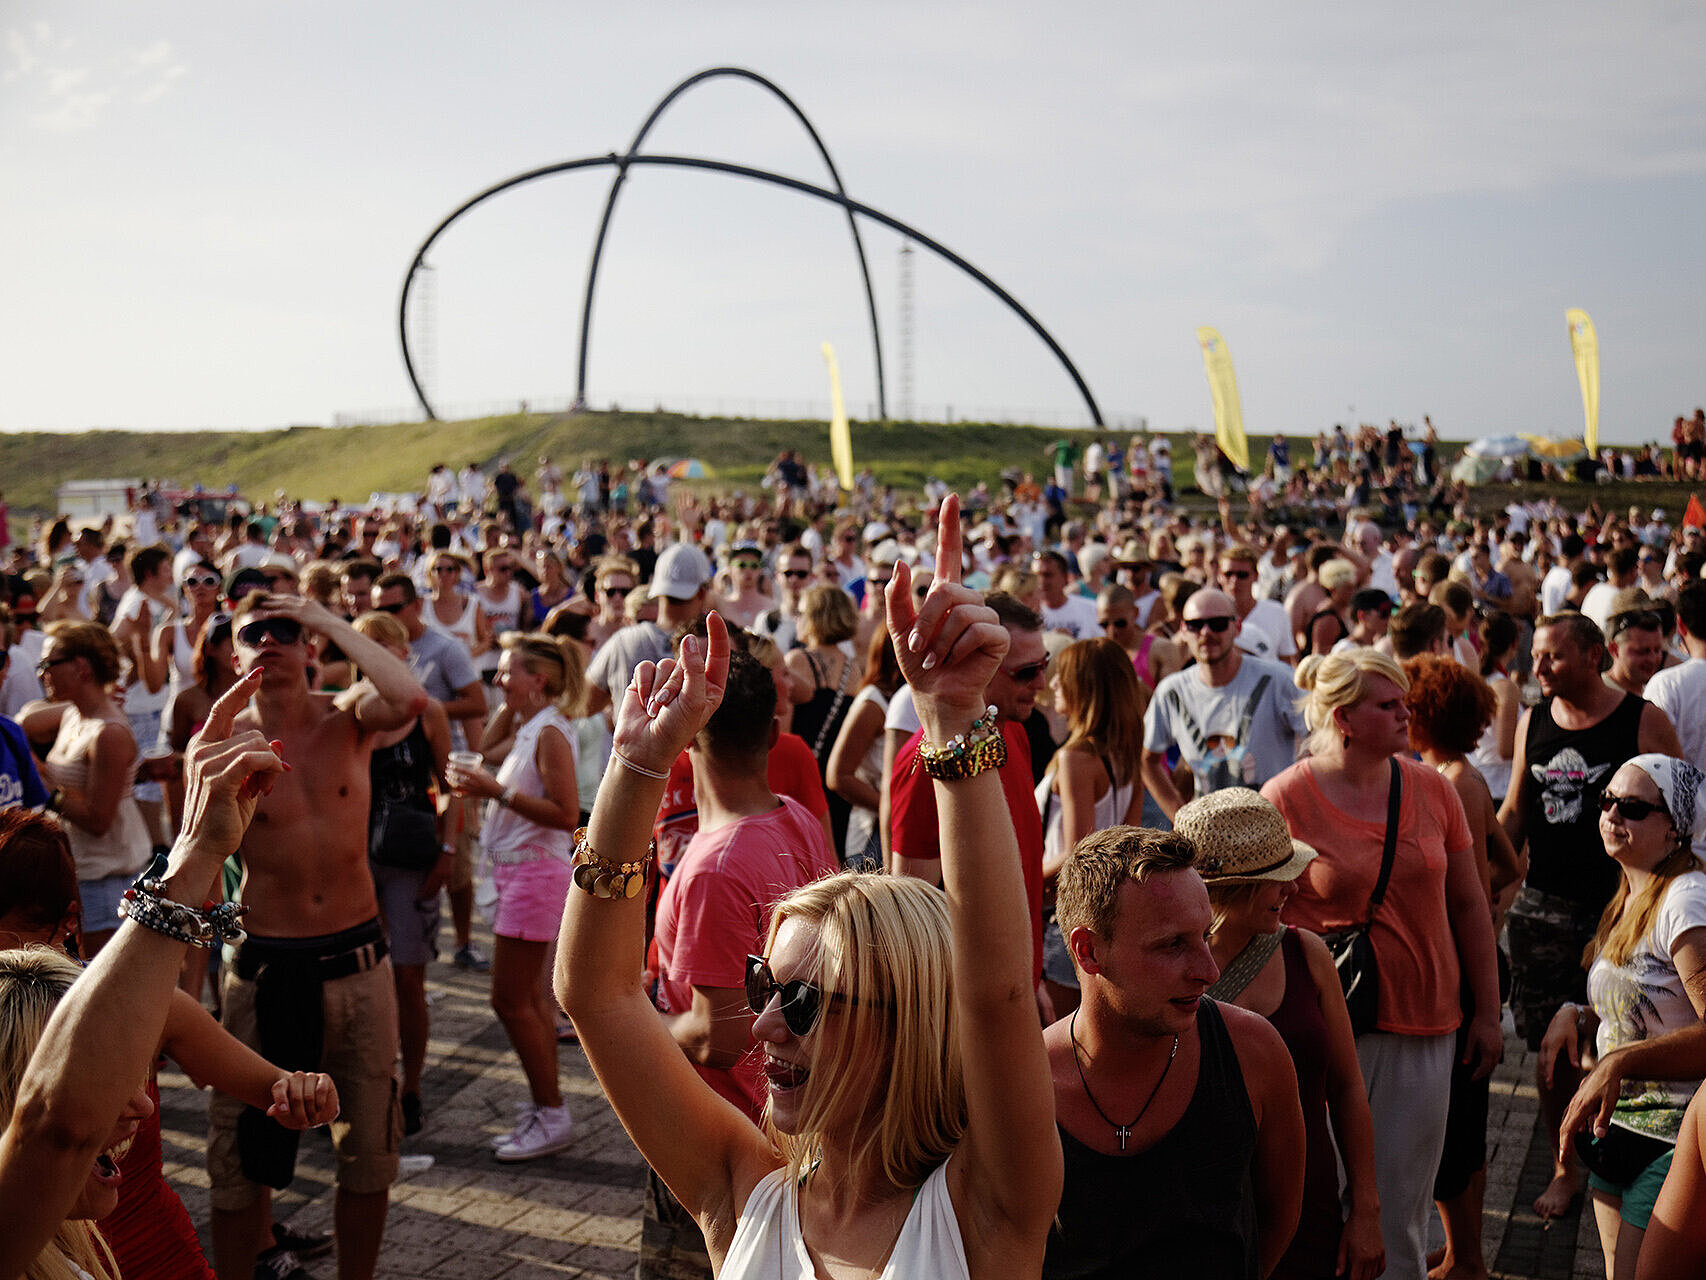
{"x":906,"y":402}
{"x":425,"y":323}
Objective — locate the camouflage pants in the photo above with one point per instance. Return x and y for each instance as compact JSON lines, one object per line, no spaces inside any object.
{"x":1546,"y":934}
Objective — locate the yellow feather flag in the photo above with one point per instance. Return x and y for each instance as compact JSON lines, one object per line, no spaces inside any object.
{"x":840,"y":437}
{"x":1223,"y":386}
{"x":1584,"y":344}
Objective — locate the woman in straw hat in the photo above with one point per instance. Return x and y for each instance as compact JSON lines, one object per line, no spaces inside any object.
{"x":1251,"y":864}
{"x":1431,"y":926}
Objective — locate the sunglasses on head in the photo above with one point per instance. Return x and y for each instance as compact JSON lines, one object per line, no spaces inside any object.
{"x":802,"y":1001}
{"x":282,"y":630}
{"x":1216,"y":624}
{"x":1629,"y":808}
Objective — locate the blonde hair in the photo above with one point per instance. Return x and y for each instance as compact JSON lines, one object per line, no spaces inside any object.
{"x":1335,"y":574}
{"x":381,"y":626}
{"x":884,"y":942}
{"x":32,"y":982}
{"x":558,"y":659}
{"x":1335,"y":680}
{"x":827,"y":616}
{"x":1090,"y":879}
{"x":1226,"y":896}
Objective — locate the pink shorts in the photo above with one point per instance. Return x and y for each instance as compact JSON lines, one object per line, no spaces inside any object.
{"x":531,"y":897}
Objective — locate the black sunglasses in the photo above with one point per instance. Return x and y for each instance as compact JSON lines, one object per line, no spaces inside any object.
{"x":802,"y":1001}
{"x":1215,"y":624}
{"x":1027,"y":673}
{"x":796,"y":573}
{"x":1629,"y":808}
{"x":282,"y":630}
{"x":394,"y":608}
{"x":47,"y":664}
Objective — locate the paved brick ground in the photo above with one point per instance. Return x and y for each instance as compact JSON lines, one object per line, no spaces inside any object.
{"x":576,"y":1214}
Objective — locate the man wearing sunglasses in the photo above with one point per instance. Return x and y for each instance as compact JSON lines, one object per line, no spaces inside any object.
{"x":793,"y":576}
{"x":1567,"y":749}
{"x":312,"y":985}
{"x":1235,"y":719}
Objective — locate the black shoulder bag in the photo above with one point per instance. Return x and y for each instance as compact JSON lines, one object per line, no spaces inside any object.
{"x":1353,"y":949}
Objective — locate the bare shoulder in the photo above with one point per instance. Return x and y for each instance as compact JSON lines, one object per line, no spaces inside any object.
{"x":1262,"y":1055}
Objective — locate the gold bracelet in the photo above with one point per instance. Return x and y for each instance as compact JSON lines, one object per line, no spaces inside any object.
{"x":605,"y":879}
{"x":966,"y":755}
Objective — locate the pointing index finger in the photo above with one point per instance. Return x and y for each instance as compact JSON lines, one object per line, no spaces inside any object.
{"x":949,"y":560}
{"x":223,"y":713}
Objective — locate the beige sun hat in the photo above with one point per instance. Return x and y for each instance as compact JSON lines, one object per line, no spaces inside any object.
{"x":1241,"y":836}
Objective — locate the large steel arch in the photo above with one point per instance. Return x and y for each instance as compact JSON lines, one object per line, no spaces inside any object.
{"x":621,"y":177}
{"x":743,"y":171}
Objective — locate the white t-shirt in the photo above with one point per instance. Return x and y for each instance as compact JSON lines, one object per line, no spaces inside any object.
{"x":1076,"y":616}
{"x":1680,"y":692}
{"x":1266,"y":633}
{"x":1644,"y":999}
{"x":1598,"y":601}
{"x":1553,"y":588}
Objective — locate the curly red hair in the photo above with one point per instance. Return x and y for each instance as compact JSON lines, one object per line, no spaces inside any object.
{"x":1450,"y":706}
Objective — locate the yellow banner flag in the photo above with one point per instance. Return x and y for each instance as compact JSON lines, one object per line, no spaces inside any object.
{"x":1584,"y":344}
{"x":1223,"y":386}
{"x":840,"y":436}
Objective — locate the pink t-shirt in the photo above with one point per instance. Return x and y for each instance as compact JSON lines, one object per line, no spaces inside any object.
{"x":1414,"y":944}
{"x":715,"y":911}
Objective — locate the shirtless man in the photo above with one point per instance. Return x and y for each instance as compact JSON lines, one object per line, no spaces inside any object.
{"x":316,"y":955}
{"x":1148,"y":1070}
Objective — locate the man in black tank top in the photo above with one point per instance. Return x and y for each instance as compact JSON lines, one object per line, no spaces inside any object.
{"x":1567,"y":749}
{"x":1179,"y":1118}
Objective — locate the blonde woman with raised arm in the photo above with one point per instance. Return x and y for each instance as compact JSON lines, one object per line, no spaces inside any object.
{"x":910,"y":1122}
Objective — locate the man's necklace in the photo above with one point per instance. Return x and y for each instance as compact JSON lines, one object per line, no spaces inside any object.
{"x":1121,"y":1131}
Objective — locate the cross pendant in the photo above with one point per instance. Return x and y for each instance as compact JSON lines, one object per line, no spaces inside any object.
{"x":1122,"y":1133}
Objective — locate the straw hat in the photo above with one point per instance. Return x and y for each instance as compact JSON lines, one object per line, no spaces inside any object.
{"x":1241,"y":836}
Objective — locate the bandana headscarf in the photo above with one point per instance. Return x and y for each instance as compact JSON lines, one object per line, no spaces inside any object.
{"x":1679,"y":782}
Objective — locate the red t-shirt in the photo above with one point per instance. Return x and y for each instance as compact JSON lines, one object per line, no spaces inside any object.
{"x":792,"y":773}
{"x":1414,"y":943}
{"x":715,"y":911}
{"x":914,"y":832}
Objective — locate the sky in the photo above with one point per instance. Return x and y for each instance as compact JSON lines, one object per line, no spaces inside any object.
{"x":1385,"y":209}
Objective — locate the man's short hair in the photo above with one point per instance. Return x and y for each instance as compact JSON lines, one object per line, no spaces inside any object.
{"x":1571,"y":546}
{"x":1013,"y":612}
{"x":1623,"y":561}
{"x":1091,"y":877}
{"x":1241,"y":551}
{"x":1416,"y":629}
{"x":1370,"y":598}
{"x":1051,"y":556}
{"x":739,"y":729}
{"x":401,"y":581}
{"x":147,"y":561}
{"x":1691,"y":607}
{"x":1116,"y":596}
{"x":1583,"y":631}
{"x":368,"y":569}
{"x":1584,"y":574}
{"x":1320,"y":554}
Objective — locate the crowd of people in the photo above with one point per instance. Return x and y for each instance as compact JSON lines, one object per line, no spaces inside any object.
{"x":1052,"y":883}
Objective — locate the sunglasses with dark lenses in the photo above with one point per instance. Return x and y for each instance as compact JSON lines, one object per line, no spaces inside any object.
{"x":282,"y":630}
{"x":1216,"y":624}
{"x":394,"y":608}
{"x":796,"y":573}
{"x":1116,"y":624}
{"x":48,"y":664}
{"x":1629,"y":808}
{"x":201,"y":580}
{"x":1236,"y":573}
{"x":1027,"y":673}
{"x":749,"y":564}
{"x":801,"y":1001}
{"x":617,"y":593}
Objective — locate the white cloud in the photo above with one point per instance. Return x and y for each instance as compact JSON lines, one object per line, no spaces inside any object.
{"x":64,"y":97}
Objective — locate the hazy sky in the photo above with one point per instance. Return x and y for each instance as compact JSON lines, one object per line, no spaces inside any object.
{"x":208,"y":209}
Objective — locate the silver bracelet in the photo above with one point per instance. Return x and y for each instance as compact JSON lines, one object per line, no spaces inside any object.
{"x":145,"y":904}
{"x":639,"y":769}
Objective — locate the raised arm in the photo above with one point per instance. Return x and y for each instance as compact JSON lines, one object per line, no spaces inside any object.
{"x":106,"y":1031}
{"x":700,"y":1144}
{"x":1007,"y":1170}
{"x":394,"y":697}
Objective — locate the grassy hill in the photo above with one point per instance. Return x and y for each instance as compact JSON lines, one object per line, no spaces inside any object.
{"x":348,"y":463}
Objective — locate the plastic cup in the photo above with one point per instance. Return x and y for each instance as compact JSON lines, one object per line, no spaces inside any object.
{"x":470,"y":761}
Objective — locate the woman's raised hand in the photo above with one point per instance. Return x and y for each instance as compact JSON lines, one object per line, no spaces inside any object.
{"x":949,"y":648}
{"x":666,"y":703}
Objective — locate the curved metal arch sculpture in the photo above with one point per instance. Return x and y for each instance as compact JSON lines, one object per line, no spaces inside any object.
{"x":713,"y":73}
{"x":837,"y":197}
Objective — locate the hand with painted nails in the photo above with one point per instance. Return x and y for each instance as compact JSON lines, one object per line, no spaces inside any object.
{"x":950,"y":646}
{"x":666,"y":703}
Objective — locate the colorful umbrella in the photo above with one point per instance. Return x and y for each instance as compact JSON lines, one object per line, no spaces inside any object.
{"x":1559,"y":451}
{"x":687,"y":469}
{"x":1472,"y":470}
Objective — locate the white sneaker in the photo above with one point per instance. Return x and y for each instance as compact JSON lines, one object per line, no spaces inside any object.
{"x":546,"y":1131}
{"x":524,"y":1111}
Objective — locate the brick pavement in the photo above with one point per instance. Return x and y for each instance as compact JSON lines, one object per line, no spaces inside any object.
{"x":576,"y":1214}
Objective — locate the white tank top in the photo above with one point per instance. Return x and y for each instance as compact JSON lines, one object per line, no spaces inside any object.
{"x":768,"y":1242}
{"x":463,"y":628}
{"x":506,"y":836}
{"x":124,"y":848}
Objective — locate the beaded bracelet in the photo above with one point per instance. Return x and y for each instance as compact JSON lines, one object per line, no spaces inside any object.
{"x":605,"y":879}
{"x":966,"y":755}
{"x":144,"y":903}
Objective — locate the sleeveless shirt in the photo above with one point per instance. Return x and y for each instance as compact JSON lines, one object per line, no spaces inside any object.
{"x":1570,"y":769}
{"x":124,"y":847}
{"x":1182,"y":1207}
{"x":768,"y":1242}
